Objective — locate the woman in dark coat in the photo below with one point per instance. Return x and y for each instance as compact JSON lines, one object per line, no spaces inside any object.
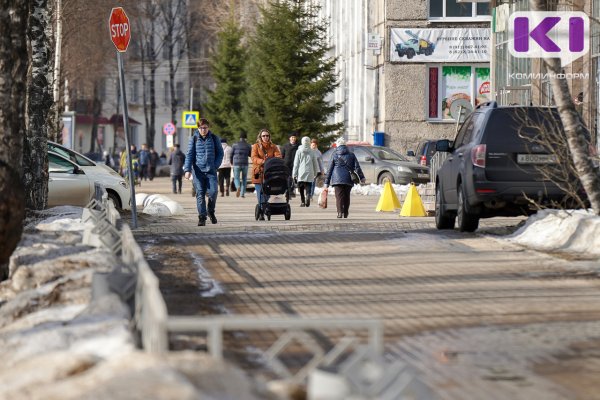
{"x":338,"y":176}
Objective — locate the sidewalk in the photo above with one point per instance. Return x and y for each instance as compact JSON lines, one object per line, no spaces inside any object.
{"x":478,"y":317}
{"x":237,"y":214}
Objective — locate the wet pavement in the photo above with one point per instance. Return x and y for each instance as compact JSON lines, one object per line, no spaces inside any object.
{"x":476,"y":316}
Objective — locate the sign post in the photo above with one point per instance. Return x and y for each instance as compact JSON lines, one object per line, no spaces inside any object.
{"x":120,"y":34}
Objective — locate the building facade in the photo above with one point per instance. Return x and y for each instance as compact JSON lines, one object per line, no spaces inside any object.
{"x":434,"y":58}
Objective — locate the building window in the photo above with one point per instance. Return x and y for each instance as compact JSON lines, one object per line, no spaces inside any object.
{"x":453,"y":86}
{"x":166,"y":93}
{"x":135,"y":91}
{"x":452,"y":10}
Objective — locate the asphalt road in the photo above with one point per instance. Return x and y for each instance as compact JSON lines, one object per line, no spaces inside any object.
{"x":478,"y":317}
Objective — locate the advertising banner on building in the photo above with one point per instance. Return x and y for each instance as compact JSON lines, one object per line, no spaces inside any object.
{"x":440,"y":45}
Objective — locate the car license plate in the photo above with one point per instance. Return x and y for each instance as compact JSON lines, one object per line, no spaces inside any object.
{"x":425,"y":176}
{"x":537,"y":159}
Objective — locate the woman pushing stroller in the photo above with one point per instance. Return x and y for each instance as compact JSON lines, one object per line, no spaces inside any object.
{"x":262,"y":150}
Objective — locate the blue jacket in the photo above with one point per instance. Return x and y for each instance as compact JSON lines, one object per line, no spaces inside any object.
{"x":144,"y":157}
{"x":241,"y":152}
{"x":206,"y":153}
{"x":338,"y":173}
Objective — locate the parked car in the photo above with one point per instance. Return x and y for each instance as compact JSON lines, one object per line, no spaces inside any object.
{"x":70,"y":184}
{"x":425,"y":150}
{"x":381,"y":164}
{"x":116,"y":187}
{"x":496,"y":166}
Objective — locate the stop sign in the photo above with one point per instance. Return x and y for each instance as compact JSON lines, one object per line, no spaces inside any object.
{"x":118,"y":25}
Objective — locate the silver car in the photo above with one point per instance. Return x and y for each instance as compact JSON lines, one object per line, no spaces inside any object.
{"x":116,"y":187}
{"x":382,"y":164}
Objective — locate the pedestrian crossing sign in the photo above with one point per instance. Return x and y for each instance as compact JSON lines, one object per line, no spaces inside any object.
{"x":190,"y":119}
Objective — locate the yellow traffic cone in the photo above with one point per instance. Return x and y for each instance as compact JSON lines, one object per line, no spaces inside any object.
{"x":413,"y":205}
{"x":388,"y":201}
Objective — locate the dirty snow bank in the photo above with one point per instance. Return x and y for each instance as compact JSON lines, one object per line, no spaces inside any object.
{"x":571,"y":231}
{"x":59,"y":342}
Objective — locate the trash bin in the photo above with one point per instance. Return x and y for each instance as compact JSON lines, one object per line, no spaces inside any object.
{"x":378,"y":138}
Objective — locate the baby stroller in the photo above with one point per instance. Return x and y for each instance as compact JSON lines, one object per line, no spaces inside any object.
{"x":275,"y":182}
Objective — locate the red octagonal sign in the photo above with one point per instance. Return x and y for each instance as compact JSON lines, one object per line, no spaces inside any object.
{"x":120,"y":32}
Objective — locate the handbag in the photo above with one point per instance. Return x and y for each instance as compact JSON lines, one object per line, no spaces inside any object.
{"x":353,"y":174}
{"x":322,"y":200}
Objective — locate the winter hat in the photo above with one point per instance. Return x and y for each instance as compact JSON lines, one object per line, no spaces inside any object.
{"x":306,"y":141}
{"x":223,"y":140}
{"x":340,"y":142}
{"x":293,"y":133}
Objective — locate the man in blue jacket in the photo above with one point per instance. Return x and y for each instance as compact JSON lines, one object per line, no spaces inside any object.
{"x":203,"y":158}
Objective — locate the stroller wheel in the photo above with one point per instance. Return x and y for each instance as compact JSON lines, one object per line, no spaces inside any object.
{"x":268,"y":217}
{"x":288,"y":213}
{"x":257,"y":212}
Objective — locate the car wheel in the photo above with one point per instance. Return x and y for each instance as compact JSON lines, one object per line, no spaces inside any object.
{"x":467,"y":222}
{"x":410,"y":53}
{"x":443,"y":219}
{"x":115,"y":199}
{"x":385,"y":177}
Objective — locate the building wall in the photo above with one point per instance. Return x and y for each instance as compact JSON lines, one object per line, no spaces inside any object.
{"x":349,"y":22}
{"x":405,"y":95}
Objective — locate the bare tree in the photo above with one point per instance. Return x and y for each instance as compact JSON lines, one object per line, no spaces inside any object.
{"x":39,"y":103}
{"x":543,"y":132}
{"x":87,"y":56}
{"x":175,"y":44}
{"x":13,"y":84}
{"x":578,"y":136}
{"x":147,"y":14}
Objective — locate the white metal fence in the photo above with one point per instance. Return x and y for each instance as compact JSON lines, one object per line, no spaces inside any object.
{"x":154,"y":324}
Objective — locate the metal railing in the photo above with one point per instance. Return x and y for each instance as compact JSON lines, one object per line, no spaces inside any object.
{"x":152,"y":321}
{"x":436,"y":162}
{"x":295,"y":331}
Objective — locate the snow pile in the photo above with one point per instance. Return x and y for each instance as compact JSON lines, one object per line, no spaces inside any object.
{"x":58,"y":341}
{"x":370,"y":190}
{"x":573,"y":231}
{"x":158,"y":205}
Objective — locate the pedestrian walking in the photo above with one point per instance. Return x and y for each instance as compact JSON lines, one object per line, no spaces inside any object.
{"x":176,"y":161}
{"x":288,"y":152}
{"x":305,"y":170}
{"x":144,"y":159}
{"x":314,"y":143}
{"x":152,"y":163}
{"x":108,"y":160}
{"x":239,"y":160}
{"x":203,"y":158}
{"x":225,"y":168}
{"x":261,"y":151}
{"x":338,"y":175}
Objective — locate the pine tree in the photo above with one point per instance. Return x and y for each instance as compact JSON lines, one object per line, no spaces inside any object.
{"x":227,"y":66}
{"x":289,"y":74}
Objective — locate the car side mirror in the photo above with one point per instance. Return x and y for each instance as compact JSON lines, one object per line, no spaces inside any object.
{"x":369,"y":159}
{"x":410,"y":153}
{"x":78,"y":171}
{"x":443,"y":146}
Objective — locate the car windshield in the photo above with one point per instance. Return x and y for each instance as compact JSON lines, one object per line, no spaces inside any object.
{"x":71,"y":155}
{"x":386,"y":154}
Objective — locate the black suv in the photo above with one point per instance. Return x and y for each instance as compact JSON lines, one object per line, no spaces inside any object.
{"x":425,"y":150}
{"x":496,"y":164}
